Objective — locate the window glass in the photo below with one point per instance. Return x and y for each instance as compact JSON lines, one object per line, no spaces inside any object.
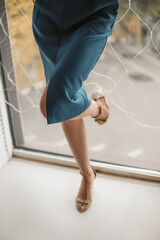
{"x":128,"y":70}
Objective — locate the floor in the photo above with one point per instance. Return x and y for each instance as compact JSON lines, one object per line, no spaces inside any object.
{"x":37,"y":202}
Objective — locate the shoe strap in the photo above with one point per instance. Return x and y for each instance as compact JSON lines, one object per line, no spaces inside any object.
{"x":84,"y":201}
{"x":99,"y":112}
{"x":90,"y":173}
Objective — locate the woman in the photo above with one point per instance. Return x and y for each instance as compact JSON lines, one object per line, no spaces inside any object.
{"x":71,"y":36}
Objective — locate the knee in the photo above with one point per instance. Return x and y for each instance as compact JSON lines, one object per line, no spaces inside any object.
{"x":43,"y":107}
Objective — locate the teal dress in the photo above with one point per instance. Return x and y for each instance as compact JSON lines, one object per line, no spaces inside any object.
{"x":71,"y":36}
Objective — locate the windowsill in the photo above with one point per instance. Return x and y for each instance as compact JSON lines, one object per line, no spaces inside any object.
{"x":106,"y":168}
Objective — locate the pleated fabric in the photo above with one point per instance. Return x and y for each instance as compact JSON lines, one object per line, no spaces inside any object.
{"x":71,"y":36}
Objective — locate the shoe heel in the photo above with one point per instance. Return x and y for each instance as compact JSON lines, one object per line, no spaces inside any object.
{"x":98,"y":93}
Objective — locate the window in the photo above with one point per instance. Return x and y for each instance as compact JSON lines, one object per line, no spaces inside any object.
{"x":128,"y":69}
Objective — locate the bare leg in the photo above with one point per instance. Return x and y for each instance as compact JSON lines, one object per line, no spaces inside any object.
{"x":76,"y":136}
{"x":75,"y":132}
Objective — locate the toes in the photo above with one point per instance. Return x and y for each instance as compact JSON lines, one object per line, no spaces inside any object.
{"x":101,"y":122}
{"x":81,"y":207}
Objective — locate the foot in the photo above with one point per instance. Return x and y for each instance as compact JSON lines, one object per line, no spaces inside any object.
{"x":85,"y":190}
{"x":104,"y":114}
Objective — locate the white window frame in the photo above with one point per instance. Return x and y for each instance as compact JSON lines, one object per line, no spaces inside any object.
{"x":6,"y":146}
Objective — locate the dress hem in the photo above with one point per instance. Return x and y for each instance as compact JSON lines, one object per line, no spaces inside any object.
{"x":52,"y":120}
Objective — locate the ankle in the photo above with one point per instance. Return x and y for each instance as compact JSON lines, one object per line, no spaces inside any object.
{"x":87,"y":171}
{"x":95,"y":109}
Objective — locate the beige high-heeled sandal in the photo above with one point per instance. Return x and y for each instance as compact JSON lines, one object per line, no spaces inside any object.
{"x":84,"y":202}
{"x":96,"y":95}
